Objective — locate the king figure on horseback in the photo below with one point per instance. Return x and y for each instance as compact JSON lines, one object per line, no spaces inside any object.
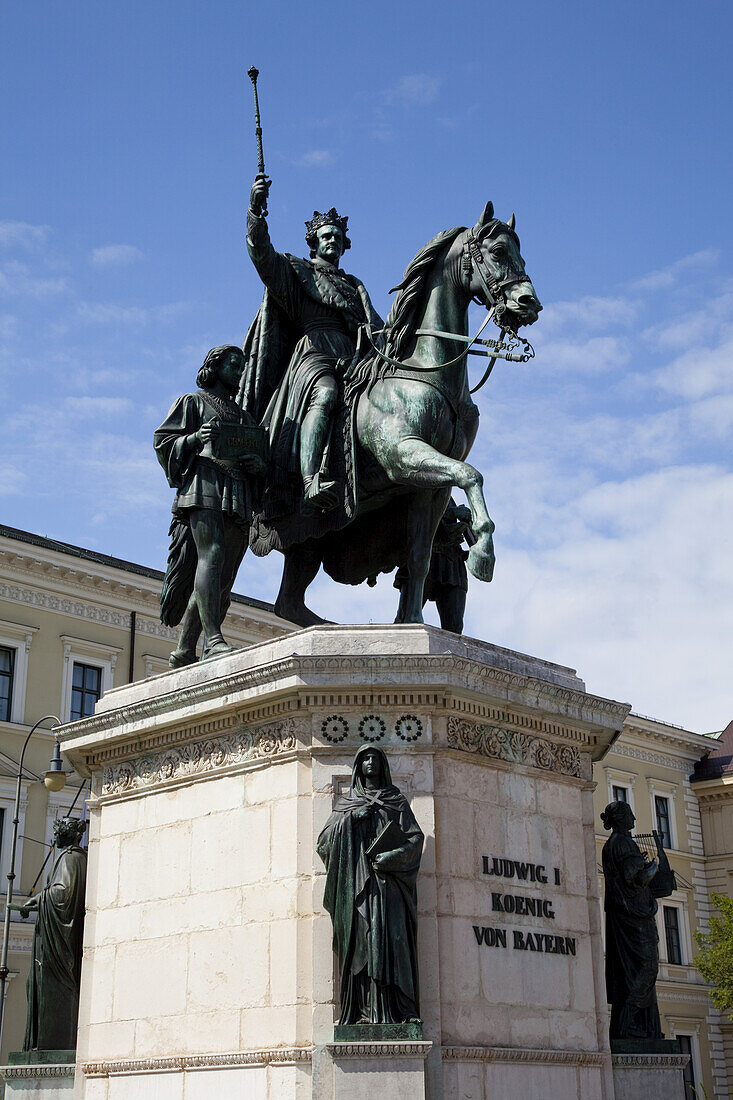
{"x":304,"y":335}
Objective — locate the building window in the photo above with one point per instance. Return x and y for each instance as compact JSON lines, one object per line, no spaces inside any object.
{"x":81,"y":690}
{"x":7,"y":670}
{"x":86,"y":690}
{"x":689,"y":1072}
{"x":672,"y":934}
{"x":661,"y":807}
{"x":620,"y":794}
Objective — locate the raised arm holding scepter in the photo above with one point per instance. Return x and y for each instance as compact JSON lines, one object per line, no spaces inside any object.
{"x":313,"y":311}
{"x":253,"y":73}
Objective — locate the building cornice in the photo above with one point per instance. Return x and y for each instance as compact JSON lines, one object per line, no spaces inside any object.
{"x":309,"y":680}
{"x":672,"y":737}
{"x":101,"y":597}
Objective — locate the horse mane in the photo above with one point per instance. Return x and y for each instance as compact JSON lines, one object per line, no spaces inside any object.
{"x":401,"y":320}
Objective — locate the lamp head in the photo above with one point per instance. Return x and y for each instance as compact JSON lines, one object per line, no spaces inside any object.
{"x":55,"y":778}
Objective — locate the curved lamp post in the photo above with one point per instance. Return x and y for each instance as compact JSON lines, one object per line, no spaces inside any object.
{"x":54,"y":779}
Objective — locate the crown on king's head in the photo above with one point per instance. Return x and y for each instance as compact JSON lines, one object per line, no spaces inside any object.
{"x":331,"y":217}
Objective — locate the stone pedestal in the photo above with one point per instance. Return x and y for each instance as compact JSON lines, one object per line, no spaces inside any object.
{"x":208,"y":968}
{"x":396,"y":1070}
{"x":39,"y":1075}
{"x":651,"y":1076}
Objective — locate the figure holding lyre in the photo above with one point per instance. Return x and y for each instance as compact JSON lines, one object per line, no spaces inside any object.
{"x":633,"y":882}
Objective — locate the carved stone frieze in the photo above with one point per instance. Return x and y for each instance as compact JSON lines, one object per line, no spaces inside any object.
{"x":199,"y":1061}
{"x":674,"y":1062}
{"x":378,"y":1049}
{"x":674,"y":763}
{"x":40,"y":1069}
{"x":110,"y":616}
{"x":196,"y":758}
{"x":523,"y":1054}
{"x":514,"y":746}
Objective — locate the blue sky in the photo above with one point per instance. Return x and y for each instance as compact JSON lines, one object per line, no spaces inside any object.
{"x":129,"y":152}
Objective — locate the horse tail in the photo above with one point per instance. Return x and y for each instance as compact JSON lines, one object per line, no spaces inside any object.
{"x":179,"y":574}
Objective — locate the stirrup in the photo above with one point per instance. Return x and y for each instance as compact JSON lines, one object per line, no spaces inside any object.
{"x":320,"y":495}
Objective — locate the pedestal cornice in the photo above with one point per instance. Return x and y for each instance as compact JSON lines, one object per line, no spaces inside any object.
{"x":330,"y":670}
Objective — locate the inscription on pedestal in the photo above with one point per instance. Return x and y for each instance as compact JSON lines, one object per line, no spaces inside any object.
{"x":525,"y":905}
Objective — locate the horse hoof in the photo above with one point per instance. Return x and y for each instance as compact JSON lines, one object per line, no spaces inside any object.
{"x":481,"y":563}
{"x":300,"y":615}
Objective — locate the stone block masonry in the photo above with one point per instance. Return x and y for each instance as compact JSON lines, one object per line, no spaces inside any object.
{"x":208,"y":967}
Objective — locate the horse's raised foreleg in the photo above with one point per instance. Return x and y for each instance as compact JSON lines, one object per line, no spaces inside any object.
{"x":300,"y":568}
{"x":415,"y":462}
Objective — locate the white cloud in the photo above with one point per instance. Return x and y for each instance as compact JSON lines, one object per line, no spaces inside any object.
{"x":631,"y":592}
{"x":588,"y":313}
{"x":316,"y":158}
{"x":593,"y":356}
{"x":699,"y":372}
{"x":104,"y":313}
{"x":116,"y":255}
{"x":95,"y":407}
{"x":12,"y":480}
{"x":416,"y":89}
{"x":18,"y":279}
{"x":668,"y":276}
{"x":22,"y":234}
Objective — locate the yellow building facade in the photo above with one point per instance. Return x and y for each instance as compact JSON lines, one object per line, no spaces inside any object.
{"x":650,"y":766}
{"x":74,"y":623}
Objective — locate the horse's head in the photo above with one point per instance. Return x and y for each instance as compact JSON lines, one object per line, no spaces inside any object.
{"x":494,"y":269}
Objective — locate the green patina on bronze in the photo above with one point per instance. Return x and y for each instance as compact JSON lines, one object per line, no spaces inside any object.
{"x":370,"y":424}
{"x":210,"y":449}
{"x":55,"y":973}
{"x":446,"y":584}
{"x":371,"y":847}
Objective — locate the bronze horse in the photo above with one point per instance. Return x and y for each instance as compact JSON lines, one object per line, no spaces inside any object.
{"x":415,"y":420}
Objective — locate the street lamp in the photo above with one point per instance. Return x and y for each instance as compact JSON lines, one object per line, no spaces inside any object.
{"x":54,"y":779}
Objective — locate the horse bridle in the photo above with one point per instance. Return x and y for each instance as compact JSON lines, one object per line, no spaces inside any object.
{"x":495,"y":292}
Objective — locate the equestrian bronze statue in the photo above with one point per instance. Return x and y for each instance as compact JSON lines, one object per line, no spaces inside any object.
{"x":370,"y":424}
{"x":365,"y":425}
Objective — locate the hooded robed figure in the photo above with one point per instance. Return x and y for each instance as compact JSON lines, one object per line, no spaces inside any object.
{"x":372,"y":898}
{"x":55,"y":974}
{"x":632,"y":886}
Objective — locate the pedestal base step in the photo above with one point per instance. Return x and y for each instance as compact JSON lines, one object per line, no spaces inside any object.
{"x":39,"y":1075}
{"x":653,"y":1076}
{"x":393,"y":1069}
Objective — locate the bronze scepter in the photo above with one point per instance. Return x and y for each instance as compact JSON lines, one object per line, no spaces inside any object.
{"x":253,"y":73}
